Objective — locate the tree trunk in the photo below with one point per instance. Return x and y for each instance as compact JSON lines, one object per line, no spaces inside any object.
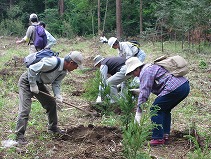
{"x":11,"y":3}
{"x":141,"y":16}
{"x":118,"y":19}
{"x":93,"y":30}
{"x":105,"y":17}
{"x":61,"y":7}
{"x":98,"y":15}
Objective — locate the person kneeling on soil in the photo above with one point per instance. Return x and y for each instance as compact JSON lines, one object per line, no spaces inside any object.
{"x":114,"y":66}
{"x":32,"y":83}
{"x":170,"y":91}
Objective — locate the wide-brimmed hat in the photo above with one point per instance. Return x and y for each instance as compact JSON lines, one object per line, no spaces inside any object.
{"x":111,"y":41}
{"x":77,"y":57}
{"x":97,"y":60}
{"x":132,"y":63}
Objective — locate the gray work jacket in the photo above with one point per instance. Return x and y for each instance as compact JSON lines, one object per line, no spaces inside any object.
{"x":36,"y":73}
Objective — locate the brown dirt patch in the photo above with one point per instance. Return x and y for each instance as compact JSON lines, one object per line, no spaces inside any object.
{"x":99,"y":142}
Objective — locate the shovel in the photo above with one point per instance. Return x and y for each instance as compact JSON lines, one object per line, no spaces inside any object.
{"x":94,"y":114}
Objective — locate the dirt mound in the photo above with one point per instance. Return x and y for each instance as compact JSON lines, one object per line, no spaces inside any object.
{"x":101,"y":141}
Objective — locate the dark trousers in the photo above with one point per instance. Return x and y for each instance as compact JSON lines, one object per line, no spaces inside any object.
{"x":25,"y":102}
{"x":166,"y":104}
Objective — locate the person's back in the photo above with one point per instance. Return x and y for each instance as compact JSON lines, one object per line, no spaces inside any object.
{"x":50,"y":39}
{"x":126,"y":49}
{"x":114,"y":64}
{"x":30,"y":34}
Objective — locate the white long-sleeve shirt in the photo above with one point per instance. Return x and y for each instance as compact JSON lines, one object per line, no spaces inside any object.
{"x":50,"y":40}
{"x":127,"y":50}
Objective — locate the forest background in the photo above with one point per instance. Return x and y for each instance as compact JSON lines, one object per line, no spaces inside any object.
{"x":152,"y":20}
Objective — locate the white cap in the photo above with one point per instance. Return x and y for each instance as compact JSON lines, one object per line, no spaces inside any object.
{"x":77,"y":57}
{"x":132,"y":63}
{"x":111,"y":41}
{"x":98,"y":59}
{"x":33,"y":15}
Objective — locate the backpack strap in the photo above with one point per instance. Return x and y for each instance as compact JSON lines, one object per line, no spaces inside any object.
{"x":32,"y":35}
{"x":57,"y":65}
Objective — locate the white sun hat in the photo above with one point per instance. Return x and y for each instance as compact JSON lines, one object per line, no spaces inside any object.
{"x":97,"y":60}
{"x":132,"y":63}
{"x":111,"y":41}
{"x":33,"y":15}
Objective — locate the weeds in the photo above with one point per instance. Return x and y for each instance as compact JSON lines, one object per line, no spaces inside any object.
{"x":200,"y":151}
{"x":91,"y":87}
{"x":127,"y":104}
{"x":92,"y":91}
{"x":203,"y":64}
{"x":135,"y":136}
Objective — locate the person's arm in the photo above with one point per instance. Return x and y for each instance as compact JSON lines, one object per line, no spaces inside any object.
{"x":56,"y":85}
{"x":103,"y":72}
{"x":146,"y":84}
{"x":147,"y":79}
{"x":28,"y":35}
{"x":129,"y":49}
{"x":51,"y":40}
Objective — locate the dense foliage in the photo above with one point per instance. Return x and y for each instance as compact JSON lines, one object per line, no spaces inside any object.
{"x":80,"y":17}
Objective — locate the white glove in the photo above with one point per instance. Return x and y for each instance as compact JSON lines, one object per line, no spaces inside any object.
{"x":34,"y":89}
{"x":99,"y":99}
{"x":59,"y":99}
{"x":135,"y":91}
{"x":137,"y":118}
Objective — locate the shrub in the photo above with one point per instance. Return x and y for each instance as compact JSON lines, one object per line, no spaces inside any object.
{"x":11,"y":27}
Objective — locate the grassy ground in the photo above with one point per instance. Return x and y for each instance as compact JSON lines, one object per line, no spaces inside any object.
{"x":100,"y":137}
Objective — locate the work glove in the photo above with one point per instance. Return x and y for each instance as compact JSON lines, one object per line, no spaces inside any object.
{"x":99,"y":99}
{"x":59,"y":100}
{"x":134,"y":91}
{"x":137,"y":118}
{"x":34,"y":89}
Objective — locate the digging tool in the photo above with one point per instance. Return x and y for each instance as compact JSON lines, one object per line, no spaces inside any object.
{"x":95,"y":114}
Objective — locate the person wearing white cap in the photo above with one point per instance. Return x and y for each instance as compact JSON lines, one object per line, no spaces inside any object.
{"x":29,"y":37}
{"x":114,"y":66}
{"x":170,"y":91}
{"x":49,"y":70}
{"x":126,"y":49}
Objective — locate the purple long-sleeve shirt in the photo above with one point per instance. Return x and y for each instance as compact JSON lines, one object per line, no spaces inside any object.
{"x":155,"y":79}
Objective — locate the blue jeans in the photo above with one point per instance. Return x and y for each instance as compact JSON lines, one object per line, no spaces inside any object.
{"x":166,"y":104}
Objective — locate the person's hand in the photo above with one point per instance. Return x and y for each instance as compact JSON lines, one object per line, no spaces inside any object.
{"x":59,"y":100}
{"x":134,"y":91}
{"x":99,"y":99}
{"x":137,"y":118}
{"x":19,"y":42}
{"x":34,"y":89}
